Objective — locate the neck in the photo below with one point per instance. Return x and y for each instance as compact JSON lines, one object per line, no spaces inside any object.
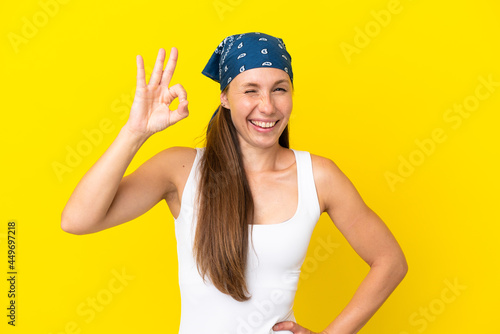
{"x":257,"y":159}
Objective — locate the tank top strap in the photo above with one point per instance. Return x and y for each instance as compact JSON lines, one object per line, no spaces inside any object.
{"x":190,"y":189}
{"x":196,"y":165}
{"x":306,"y":186}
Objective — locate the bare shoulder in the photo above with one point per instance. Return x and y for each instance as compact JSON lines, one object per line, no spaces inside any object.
{"x":324,"y":169}
{"x":177,"y":155}
{"x":331,"y":183}
{"x":173,"y":164}
{"x":177,"y":161}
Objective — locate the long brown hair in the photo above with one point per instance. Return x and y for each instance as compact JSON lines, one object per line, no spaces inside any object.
{"x":225,"y":208}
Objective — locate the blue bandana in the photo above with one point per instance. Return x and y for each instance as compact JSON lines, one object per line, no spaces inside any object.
{"x":238,"y":53}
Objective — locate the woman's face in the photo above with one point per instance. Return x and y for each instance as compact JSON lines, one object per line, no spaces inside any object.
{"x":260,"y":101}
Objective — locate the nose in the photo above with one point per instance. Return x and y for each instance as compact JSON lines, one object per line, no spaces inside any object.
{"x":266,"y":104}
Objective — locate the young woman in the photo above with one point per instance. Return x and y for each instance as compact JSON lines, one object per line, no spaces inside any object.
{"x":245,"y":205}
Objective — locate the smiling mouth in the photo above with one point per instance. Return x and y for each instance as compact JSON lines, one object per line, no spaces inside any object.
{"x":264,"y":125}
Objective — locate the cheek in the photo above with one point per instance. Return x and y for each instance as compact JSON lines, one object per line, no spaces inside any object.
{"x":248,"y":103}
{"x":243,"y":107}
{"x":286,"y":105}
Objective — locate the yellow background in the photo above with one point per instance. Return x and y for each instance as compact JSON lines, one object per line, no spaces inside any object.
{"x":75,"y":74}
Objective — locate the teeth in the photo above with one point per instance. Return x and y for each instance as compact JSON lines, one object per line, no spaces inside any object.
{"x":264,"y":124}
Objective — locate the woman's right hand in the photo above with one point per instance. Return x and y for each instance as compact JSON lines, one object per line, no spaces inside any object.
{"x":150,"y":111}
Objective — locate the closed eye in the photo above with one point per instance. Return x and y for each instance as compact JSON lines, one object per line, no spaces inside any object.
{"x":277,"y":89}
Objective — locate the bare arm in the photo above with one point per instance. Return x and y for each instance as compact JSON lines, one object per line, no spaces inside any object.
{"x":369,"y":237}
{"x":90,"y":201}
{"x":104,"y":198}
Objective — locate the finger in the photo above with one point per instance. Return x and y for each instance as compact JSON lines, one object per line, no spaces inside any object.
{"x":157,"y":71}
{"x":182,"y":109}
{"x":173,"y":116}
{"x":141,"y":76}
{"x":285,"y":325}
{"x":170,"y":68}
{"x":176,"y":91}
{"x":180,"y":113}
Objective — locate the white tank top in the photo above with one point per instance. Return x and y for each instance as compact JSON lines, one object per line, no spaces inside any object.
{"x":272,"y":273}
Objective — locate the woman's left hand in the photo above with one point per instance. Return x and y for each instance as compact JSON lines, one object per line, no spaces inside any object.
{"x":293,"y":327}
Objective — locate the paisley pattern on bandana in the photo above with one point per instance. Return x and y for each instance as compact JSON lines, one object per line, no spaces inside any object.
{"x":239,"y":53}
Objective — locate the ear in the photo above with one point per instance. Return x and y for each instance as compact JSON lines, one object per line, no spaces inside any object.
{"x":223,"y":99}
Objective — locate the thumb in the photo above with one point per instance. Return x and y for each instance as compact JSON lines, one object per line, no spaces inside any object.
{"x":182,"y":108}
{"x":180,"y":113}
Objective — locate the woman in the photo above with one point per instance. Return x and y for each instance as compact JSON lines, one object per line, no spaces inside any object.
{"x":245,"y":205}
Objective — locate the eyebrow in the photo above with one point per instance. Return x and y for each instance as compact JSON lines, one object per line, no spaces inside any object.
{"x":253,"y":84}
